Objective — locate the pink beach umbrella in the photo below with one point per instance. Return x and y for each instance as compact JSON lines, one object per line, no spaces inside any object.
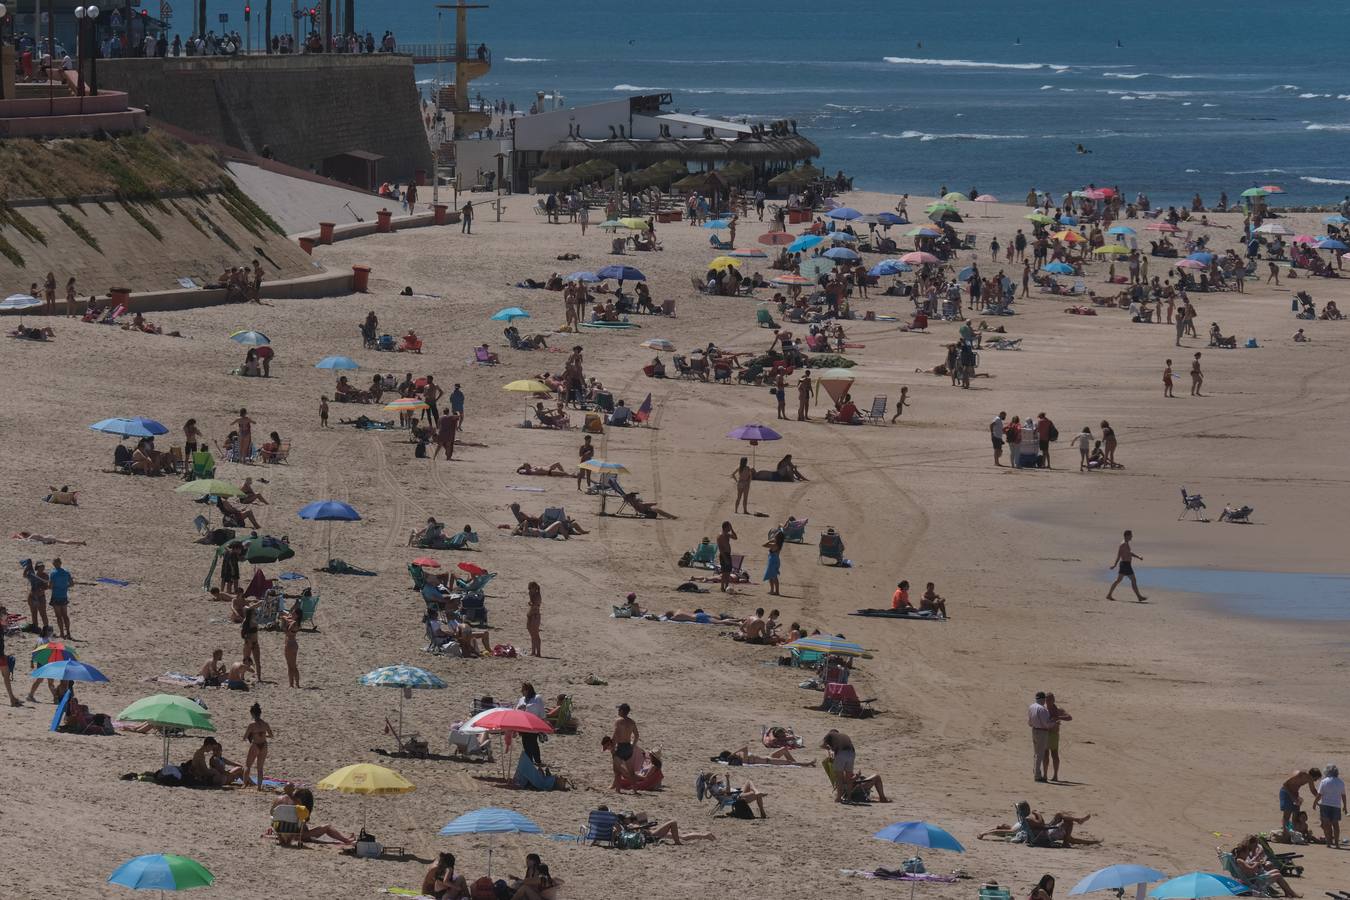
{"x":1272,"y":189}
{"x":919,"y":258}
{"x":1304,"y":239}
{"x":986,"y":198}
{"x":1191,"y":264}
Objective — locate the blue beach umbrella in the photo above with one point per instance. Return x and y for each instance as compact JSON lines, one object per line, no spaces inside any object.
{"x":1120,"y":229}
{"x":491,"y":820}
{"x":1058,"y":268}
{"x":890,"y":218}
{"x":964,"y":274}
{"x":1202,"y":256}
{"x":20,"y":301}
{"x":1331,"y":244}
{"x":805,"y":242}
{"x":1337,"y":219}
{"x":337,"y":362}
{"x":623,"y":273}
{"x":889,"y":267}
{"x":716,"y":223}
{"x":842,"y":237}
{"x":68,"y":670}
{"x":329,"y":511}
{"x":841,"y":253}
{"x":587,"y":277}
{"x":1198,"y":885}
{"x":1117,"y":878}
{"x":250,"y":338}
{"x":1068,"y":220}
{"x":509,"y":314}
{"x":844,"y":212}
{"x":919,"y":834}
{"x":136,"y":426}
{"x":161,"y":872}
{"x":401,"y":677}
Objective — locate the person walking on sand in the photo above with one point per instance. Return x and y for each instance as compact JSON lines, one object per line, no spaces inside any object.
{"x":996,"y":435}
{"x":804,"y":396}
{"x":1167,"y":380}
{"x":624,"y":738}
{"x":534,"y":617}
{"x":584,"y":217}
{"x":60,"y":580}
{"x":1058,"y":714}
{"x":1124,"y":566}
{"x":256,"y":734}
{"x":1197,"y":377}
{"x":446,"y":427}
{"x":1045,"y":433}
{"x":457,"y":404}
{"x":1083,"y":441}
{"x":584,"y":454}
{"x":724,"y":539}
{"x":70,"y":297}
{"x":901,"y":404}
{"x":780,"y":393}
{"x":466,"y":218}
{"x":1180,"y":321}
{"x":1038,"y":718}
{"x":742,"y":476}
{"x":49,"y":293}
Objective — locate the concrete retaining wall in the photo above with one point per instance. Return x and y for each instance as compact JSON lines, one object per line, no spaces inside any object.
{"x":304,"y":107}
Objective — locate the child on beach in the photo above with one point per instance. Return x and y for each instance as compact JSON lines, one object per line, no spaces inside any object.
{"x":323,"y":412}
{"x":901,"y":404}
{"x":533,"y":618}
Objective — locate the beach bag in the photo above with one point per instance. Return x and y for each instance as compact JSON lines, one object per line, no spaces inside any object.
{"x":1054,"y":432}
{"x":631,"y":840}
{"x":913,"y":866}
{"x":741,"y":810}
{"x":623,"y":612}
{"x":504,"y":650}
{"x":483,"y":889}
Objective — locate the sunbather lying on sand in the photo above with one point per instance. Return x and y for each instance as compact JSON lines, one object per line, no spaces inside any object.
{"x":786,"y":470}
{"x":745,"y":795}
{"x":653,"y":832}
{"x":699,"y":616}
{"x":556,"y":470}
{"x":779,"y":757}
{"x":43,"y":538}
{"x":1059,"y":830}
{"x":646,"y":509}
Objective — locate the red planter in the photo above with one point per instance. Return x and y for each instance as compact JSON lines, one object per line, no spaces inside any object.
{"x":307,"y":245}
{"x":326,"y":232}
{"x":439,"y":209}
{"x":360,"y":279}
{"x":384,"y":221}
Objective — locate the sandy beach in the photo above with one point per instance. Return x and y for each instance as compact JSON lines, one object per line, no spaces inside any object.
{"x":1185,"y":718}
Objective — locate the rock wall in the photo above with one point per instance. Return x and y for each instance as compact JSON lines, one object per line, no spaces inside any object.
{"x":305,"y":107}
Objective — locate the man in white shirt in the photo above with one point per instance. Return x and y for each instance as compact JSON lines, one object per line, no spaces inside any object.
{"x":1038,"y":718}
{"x":996,"y":435}
{"x":1331,"y":805}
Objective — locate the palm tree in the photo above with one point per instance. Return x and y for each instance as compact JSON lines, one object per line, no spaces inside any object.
{"x":267,"y":25}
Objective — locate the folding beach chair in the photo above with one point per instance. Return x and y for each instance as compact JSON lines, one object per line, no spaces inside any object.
{"x":1193,"y":504}
{"x":309,"y":605}
{"x":602,"y":829}
{"x":877,"y":414}
{"x":831,"y":547}
{"x":764,"y":319}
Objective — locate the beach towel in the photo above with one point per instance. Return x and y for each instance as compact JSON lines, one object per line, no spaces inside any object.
{"x":415,"y":895}
{"x":897,"y":875}
{"x":339,"y":567}
{"x":529,"y":490}
{"x":178,"y":678}
{"x":115,"y":582}
{"x":897,"y":614}
{"x":611,"y":326}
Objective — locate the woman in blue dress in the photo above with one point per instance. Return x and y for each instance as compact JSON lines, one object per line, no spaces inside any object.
{"x":775,"y":547}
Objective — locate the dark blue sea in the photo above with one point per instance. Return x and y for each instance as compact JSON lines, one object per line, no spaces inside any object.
{"x":1172,"y":98}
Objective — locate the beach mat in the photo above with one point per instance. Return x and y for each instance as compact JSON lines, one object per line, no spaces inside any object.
{"x":896,"y":614}
{"x":177,"y":678}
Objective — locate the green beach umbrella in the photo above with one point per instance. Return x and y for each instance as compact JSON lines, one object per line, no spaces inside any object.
{"x":161,"y":872}
{"x":940,"y":207}
{"x":1039,"y":218}
{"x":954,"y":197}
{"x":169,"y":713}
{"x":1255,"y":192}
{"x":213,"y":486}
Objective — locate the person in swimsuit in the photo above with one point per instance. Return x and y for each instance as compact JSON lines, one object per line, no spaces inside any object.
{"x":291,"y":623}
{"x":249,"y":632}
{"x":192,"y":437}
{"x":1290,"y":801}
{"x":1124,"y":566}
{"x":742,"y":476}
{"x":533,"y":619}
{"x":36,"y":576}
{"x":1197,"y":377}
{"x":584,"y":454}
{"x":245,"y":427}
{"x":441,"y":882}
{"x":5,"y":663}
{"x":213,"y":671}
{"x":724,"y":540}
{"x":256,"y":734}
{"x":625,"y":737}
{"x":1167,"y":379}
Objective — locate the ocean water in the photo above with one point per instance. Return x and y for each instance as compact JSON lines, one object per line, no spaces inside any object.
{"x":1274,"y":595}
{"x":908,"y":96}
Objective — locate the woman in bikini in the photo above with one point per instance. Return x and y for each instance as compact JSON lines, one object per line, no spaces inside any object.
{"x":192,"y":437}
{"x":742,"y":476}
{"x":256,"y":734}
{"x":249,"y":632}
{"x":291,"y":623}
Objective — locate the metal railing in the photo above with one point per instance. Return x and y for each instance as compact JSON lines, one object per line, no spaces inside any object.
{"x":443,"y":53}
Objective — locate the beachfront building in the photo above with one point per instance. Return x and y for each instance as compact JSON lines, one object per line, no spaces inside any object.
{"x":638,"y":133}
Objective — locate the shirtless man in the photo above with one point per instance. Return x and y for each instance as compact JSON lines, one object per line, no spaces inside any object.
{"x":238,"y":671}
{"x":1290,"y":801}
{"x":1124,"y":566}
{"x":214,"y":669}
{"x":625,"y":738}
{"x":431,"y":394}
{"x":752,"y":629}
{"x":724,"y":540}
{"x":932,"y":601}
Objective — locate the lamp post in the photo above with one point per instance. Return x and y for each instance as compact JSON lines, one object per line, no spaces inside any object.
{"x":8,"y":64}
{"x":86,"y":19}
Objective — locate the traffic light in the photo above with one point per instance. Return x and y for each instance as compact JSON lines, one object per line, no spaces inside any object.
{"x":248,"y":11}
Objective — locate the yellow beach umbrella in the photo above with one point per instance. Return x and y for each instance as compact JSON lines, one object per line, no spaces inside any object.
{"x":405,"y":404}
{"x":1068,"y":237}
{"x":723,"y":262}
{"x":634,"y":223}
{"x":528,"y":386}
{"x":1112,"y":249}
{"x":366,"y":779}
